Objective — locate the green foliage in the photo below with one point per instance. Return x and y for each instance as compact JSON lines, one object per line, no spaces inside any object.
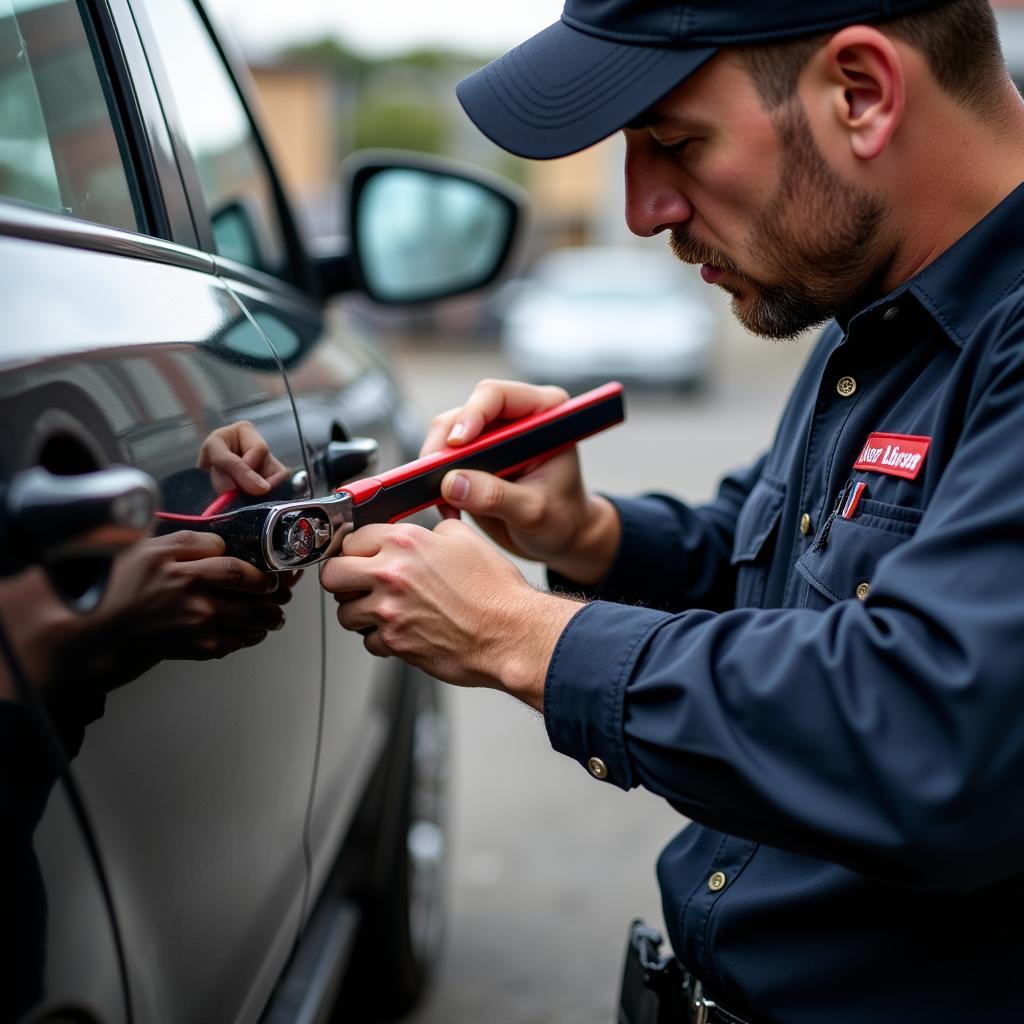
{"x":399,"y":124}
{"x":330,"y":55}
{"x":434,"y":61}
{"x":333,"y":56}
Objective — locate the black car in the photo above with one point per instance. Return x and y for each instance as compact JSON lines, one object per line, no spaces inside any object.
{"x":204,"y":817}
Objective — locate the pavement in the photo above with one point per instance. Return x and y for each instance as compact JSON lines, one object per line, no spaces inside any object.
{"x":548,"y":867}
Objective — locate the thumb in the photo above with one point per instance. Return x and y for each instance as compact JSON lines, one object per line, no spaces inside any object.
{"x":482,"y":494}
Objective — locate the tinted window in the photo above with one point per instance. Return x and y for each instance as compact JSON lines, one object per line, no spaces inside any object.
{"x":58,"y":147}
{"x":233,"y":176}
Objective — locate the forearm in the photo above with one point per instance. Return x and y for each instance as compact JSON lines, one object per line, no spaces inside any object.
{"x":533,"y":623}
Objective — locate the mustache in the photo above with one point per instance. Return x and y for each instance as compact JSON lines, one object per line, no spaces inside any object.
{"x":691,"y":250}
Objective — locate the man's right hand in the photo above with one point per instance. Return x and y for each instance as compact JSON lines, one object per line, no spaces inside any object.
{"x":546,"y":514}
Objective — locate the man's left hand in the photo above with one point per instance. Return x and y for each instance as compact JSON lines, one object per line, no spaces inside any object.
{"x":447,"y":602}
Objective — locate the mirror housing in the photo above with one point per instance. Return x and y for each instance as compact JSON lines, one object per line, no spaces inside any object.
{"x":422,"y":228}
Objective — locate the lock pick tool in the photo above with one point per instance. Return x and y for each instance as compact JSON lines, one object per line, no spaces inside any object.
{"x":279,"y":536}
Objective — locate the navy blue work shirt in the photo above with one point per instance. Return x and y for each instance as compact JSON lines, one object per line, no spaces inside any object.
{"x":829,"y":678}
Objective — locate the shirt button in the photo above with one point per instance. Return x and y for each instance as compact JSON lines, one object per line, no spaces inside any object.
{"x":891,"y":313}
{"x":597,"y":768}
{"x":863,"y":589}
{"x":805,"y":524}
{"x":716,"y":883}
{"x":846,"y":386}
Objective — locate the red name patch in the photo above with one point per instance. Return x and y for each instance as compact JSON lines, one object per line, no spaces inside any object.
{"x":894,"y":454}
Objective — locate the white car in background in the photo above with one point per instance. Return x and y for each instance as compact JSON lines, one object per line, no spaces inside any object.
{"x":601,"y":312}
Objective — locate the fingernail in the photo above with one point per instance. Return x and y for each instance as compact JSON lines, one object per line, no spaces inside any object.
{"x":459,"y":488}
{"x":457,"y":431}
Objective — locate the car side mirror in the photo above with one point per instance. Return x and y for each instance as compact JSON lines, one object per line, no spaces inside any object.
{"x":422,"y":228}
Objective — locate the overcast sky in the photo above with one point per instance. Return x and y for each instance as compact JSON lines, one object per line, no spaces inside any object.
{"x":385,"y":26}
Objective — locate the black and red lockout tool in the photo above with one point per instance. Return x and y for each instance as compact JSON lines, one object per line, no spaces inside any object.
{"x":277,"y":536}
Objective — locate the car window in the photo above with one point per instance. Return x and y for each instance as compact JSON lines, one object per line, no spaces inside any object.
{"x":233,"y":174}
{"x":58,"y":145}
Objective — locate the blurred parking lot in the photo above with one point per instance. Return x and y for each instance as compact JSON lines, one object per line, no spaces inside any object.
{"x":548,"y":866}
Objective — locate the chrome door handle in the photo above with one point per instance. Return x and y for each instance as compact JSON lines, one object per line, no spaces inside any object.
{"x":53,"y":521}
{"x":341,"y":461}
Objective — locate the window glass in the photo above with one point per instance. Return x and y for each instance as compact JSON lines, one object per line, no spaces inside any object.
{"x":234,"y":177}
{"x":58,"y":148}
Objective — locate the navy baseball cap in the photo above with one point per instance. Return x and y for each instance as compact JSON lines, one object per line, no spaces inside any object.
{"x":606,"y":61}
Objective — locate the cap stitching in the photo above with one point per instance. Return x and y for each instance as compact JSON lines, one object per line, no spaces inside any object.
{"x":551,"y":116}
{"x":553,"y":123}
{"x":566,"y":92}
{"x":594,"y":88}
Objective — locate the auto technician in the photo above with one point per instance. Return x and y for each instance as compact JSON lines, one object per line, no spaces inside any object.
{"x":823,"y":667}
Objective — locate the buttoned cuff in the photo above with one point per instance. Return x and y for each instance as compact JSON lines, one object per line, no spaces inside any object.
{"x":648,"y":550}
{"x":585,"y":688}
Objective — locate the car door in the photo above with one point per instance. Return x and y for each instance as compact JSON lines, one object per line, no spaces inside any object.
{"x":119,"y":346}
{"x":340,"y":386}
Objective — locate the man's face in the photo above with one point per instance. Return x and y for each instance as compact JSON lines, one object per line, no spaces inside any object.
{"x":748,"y":195}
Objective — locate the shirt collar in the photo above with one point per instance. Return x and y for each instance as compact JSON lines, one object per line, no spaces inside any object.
{"x":962,"y":284}
{"x":974,"y":273}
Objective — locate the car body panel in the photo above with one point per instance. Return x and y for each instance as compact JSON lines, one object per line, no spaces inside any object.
{"x":341,"y":390}
{"x":139,"y":365}
{"x":205,"y":803}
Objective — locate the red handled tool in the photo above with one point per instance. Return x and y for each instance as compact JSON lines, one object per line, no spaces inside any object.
{"x":288,"y":535}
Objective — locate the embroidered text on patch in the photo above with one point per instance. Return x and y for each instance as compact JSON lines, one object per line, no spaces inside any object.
{"x":894,"y":454}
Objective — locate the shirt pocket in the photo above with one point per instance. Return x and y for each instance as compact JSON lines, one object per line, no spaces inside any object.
{"x":844,"y":566}
{"x":754,"y":543}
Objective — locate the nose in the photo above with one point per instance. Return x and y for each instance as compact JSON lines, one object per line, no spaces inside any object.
{"x":654,"y":200}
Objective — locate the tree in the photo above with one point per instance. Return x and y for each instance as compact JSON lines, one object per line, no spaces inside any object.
{"x":399,"y":123}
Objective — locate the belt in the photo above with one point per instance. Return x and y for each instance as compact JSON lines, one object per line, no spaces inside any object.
{"x":659,"y":989}
{"x":699,"y":1008}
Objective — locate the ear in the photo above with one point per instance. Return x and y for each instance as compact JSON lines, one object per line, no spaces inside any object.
{"x":865,"y":73}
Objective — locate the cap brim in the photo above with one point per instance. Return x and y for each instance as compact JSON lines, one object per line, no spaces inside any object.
{"x":563,"y":90}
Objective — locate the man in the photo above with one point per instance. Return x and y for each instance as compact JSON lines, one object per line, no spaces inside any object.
{"x":823,"y":667}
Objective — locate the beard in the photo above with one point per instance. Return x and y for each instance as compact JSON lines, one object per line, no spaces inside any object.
{"x":819,"y":236}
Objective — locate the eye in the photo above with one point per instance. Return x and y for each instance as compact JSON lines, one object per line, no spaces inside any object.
{"x":675,"y":148}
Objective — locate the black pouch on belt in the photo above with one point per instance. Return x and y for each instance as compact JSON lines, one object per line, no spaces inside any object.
{"x":652,"y":985}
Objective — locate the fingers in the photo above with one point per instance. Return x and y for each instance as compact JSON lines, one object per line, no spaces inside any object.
{"x":238,"y":453}
{"x":263,"y":461}
{"x":440,"y":428}
{"x":234,"y":468}
{"x":357,"y":615}
{"x":245,"y":616}
{"x":190,"y":545}
{"x":215,"y":644}
{"x":287,"y":580}
{"x":356,"y":569}
{"x":233,"y":574}
{"x":346,"y":575}
{"x":482,"y":494}
{"x":491,"y":400}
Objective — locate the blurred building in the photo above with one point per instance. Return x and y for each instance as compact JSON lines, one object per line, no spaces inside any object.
{"x":303,"y":113}
{"x":313,"y":118}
